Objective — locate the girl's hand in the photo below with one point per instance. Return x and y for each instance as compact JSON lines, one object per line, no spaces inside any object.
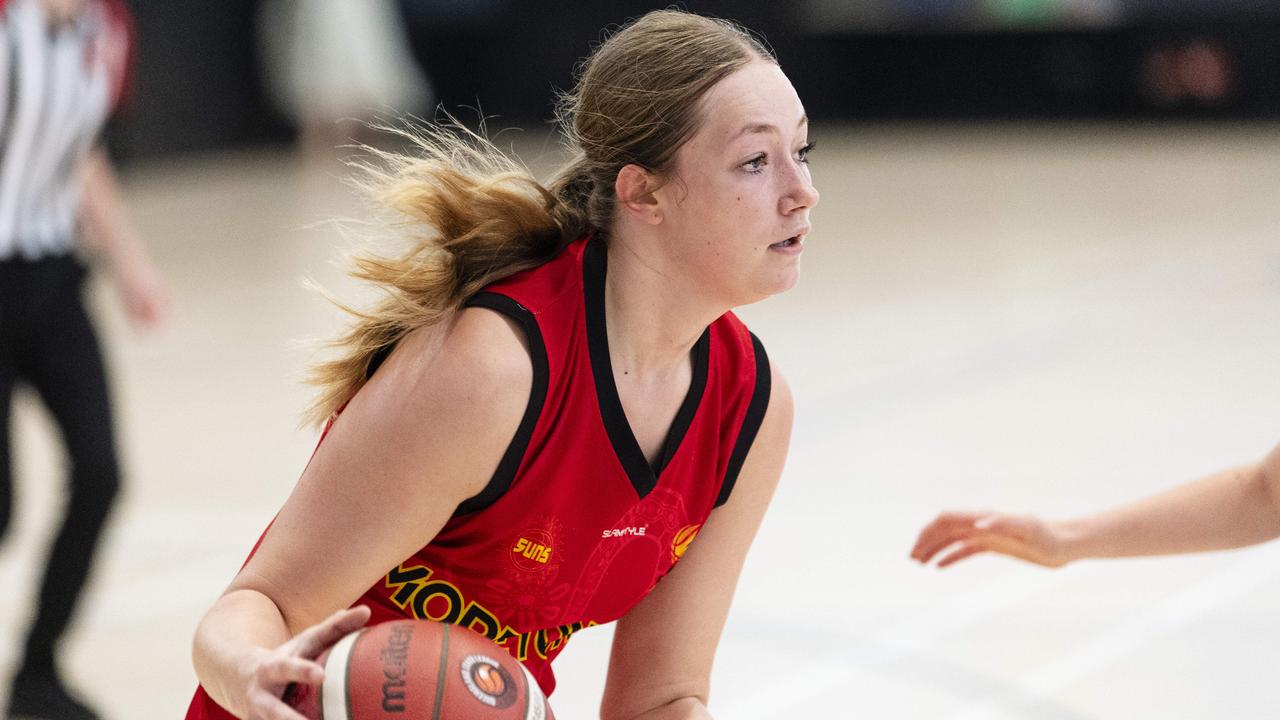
{"x":295,"y":662}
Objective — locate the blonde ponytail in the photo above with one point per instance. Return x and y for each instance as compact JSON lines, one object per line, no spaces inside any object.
{"x":476,"y":217}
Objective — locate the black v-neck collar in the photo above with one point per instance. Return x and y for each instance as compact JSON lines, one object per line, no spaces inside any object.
{"x":644,"y":477}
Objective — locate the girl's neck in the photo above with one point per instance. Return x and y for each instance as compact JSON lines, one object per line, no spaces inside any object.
{"x":653,"y":315}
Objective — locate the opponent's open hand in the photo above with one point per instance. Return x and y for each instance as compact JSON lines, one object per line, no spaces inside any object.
{"x":957,"y":535}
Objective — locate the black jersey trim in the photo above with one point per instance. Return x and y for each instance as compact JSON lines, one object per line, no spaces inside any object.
{"x":375,"y":361}
{"x":510,"y":463}
{"x":701,"y":356}
{"x":643,"y":476}
{"x":751,"y":423}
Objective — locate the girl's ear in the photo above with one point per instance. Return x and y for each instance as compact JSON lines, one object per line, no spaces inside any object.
{"x":634,"y":189}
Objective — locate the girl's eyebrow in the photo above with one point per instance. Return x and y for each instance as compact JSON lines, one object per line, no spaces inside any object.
{"x":764,"y":128}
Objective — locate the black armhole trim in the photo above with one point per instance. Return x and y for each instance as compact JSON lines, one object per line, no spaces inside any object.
{"x":379,"y":356}
{"x":750,"y":423}
{"x":510,"y":463}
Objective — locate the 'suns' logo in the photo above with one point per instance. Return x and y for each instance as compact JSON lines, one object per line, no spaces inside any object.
{"x":488,"y":681}
{"x":532,"y":551}
{"x":682,"y":540}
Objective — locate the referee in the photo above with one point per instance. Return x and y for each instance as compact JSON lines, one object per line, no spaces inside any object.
{"x":63,"y":65}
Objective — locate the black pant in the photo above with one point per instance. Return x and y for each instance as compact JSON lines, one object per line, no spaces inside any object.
{"x":47,"y":342}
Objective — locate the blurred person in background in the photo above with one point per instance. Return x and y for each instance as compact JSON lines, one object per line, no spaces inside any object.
{"x":333,"y":66}
{"x":63,"y":66}
{"x":1230,"y":509}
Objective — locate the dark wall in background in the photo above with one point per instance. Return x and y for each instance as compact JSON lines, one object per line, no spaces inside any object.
{"x":198,"y":85}
{"x":1105,"y":75}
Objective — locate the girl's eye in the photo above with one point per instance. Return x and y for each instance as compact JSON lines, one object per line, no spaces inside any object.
{"x":757,"y":163}
{"x":803,"y":154}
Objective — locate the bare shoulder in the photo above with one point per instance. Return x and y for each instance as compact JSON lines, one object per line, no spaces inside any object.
{"x":449,"y":397}
{"x":1271,"y":470}
{"x":781,"y":412}
{"x":479,"y":358}
{"x":492,"y":340}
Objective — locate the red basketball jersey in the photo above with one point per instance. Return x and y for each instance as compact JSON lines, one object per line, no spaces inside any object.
{"x":577,"y":526}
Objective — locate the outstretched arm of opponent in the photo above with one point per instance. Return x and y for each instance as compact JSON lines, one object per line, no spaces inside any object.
{"x":660,"y":666}
{"x":424,"y":434}
{"x":1229,"y":509}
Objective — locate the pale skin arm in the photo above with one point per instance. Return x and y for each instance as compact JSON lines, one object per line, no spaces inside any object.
{"x":424,"y":434}
{"x":660,"y":666}
{"x":107,"y":231}
{"x":1229,"y":509}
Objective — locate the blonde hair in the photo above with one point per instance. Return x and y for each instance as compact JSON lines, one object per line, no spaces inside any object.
{"x":480,"y":217}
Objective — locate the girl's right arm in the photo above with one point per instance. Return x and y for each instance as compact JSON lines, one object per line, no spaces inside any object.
{"x":244,"y":644}
{"x":425,"y":433}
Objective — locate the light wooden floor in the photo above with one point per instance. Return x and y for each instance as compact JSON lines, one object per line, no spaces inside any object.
{"x":1040,"y":319}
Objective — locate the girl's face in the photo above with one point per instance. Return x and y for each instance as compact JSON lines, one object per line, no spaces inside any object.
{"x":736,"y":208}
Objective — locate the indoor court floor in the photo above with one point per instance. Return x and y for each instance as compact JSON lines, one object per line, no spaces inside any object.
{"x":1047,"y":319}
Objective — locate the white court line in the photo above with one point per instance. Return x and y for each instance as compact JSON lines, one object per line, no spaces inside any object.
{"x":1181,"y":608}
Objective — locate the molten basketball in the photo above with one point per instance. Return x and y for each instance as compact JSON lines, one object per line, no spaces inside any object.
{"x":420,"y":670}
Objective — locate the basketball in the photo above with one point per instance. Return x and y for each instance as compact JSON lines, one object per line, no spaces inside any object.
{"x":420,"y":670}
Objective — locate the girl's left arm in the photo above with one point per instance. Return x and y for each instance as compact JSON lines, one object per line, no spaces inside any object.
{"x":660,"y":666}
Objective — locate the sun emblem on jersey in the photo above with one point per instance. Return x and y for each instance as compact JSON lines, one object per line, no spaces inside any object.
{"x":536,"y":547}
{"x":531,"y":550}
{"x":682,"y":541}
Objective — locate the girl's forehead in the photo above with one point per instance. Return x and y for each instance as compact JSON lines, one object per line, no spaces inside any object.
{"x":748,"y":100}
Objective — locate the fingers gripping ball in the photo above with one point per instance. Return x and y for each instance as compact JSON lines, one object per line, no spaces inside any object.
{"x":420,"y":670}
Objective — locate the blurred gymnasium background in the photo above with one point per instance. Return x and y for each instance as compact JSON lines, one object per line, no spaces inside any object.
{"x":1044,"y":276}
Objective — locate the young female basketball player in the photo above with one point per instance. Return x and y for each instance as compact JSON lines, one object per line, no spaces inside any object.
{"x":553,"y":421}
{"x":1230,"y":509}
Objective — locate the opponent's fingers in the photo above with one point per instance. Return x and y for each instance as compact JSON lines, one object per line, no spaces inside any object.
{"x":963,"y":551}
{"x":926,"y":550}
{"x":947,"y":529}
{"x":281,"y":671}
{"x":312,"y":641}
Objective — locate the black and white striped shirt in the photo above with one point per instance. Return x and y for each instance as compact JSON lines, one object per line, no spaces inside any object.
{"x":58,"y":83}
